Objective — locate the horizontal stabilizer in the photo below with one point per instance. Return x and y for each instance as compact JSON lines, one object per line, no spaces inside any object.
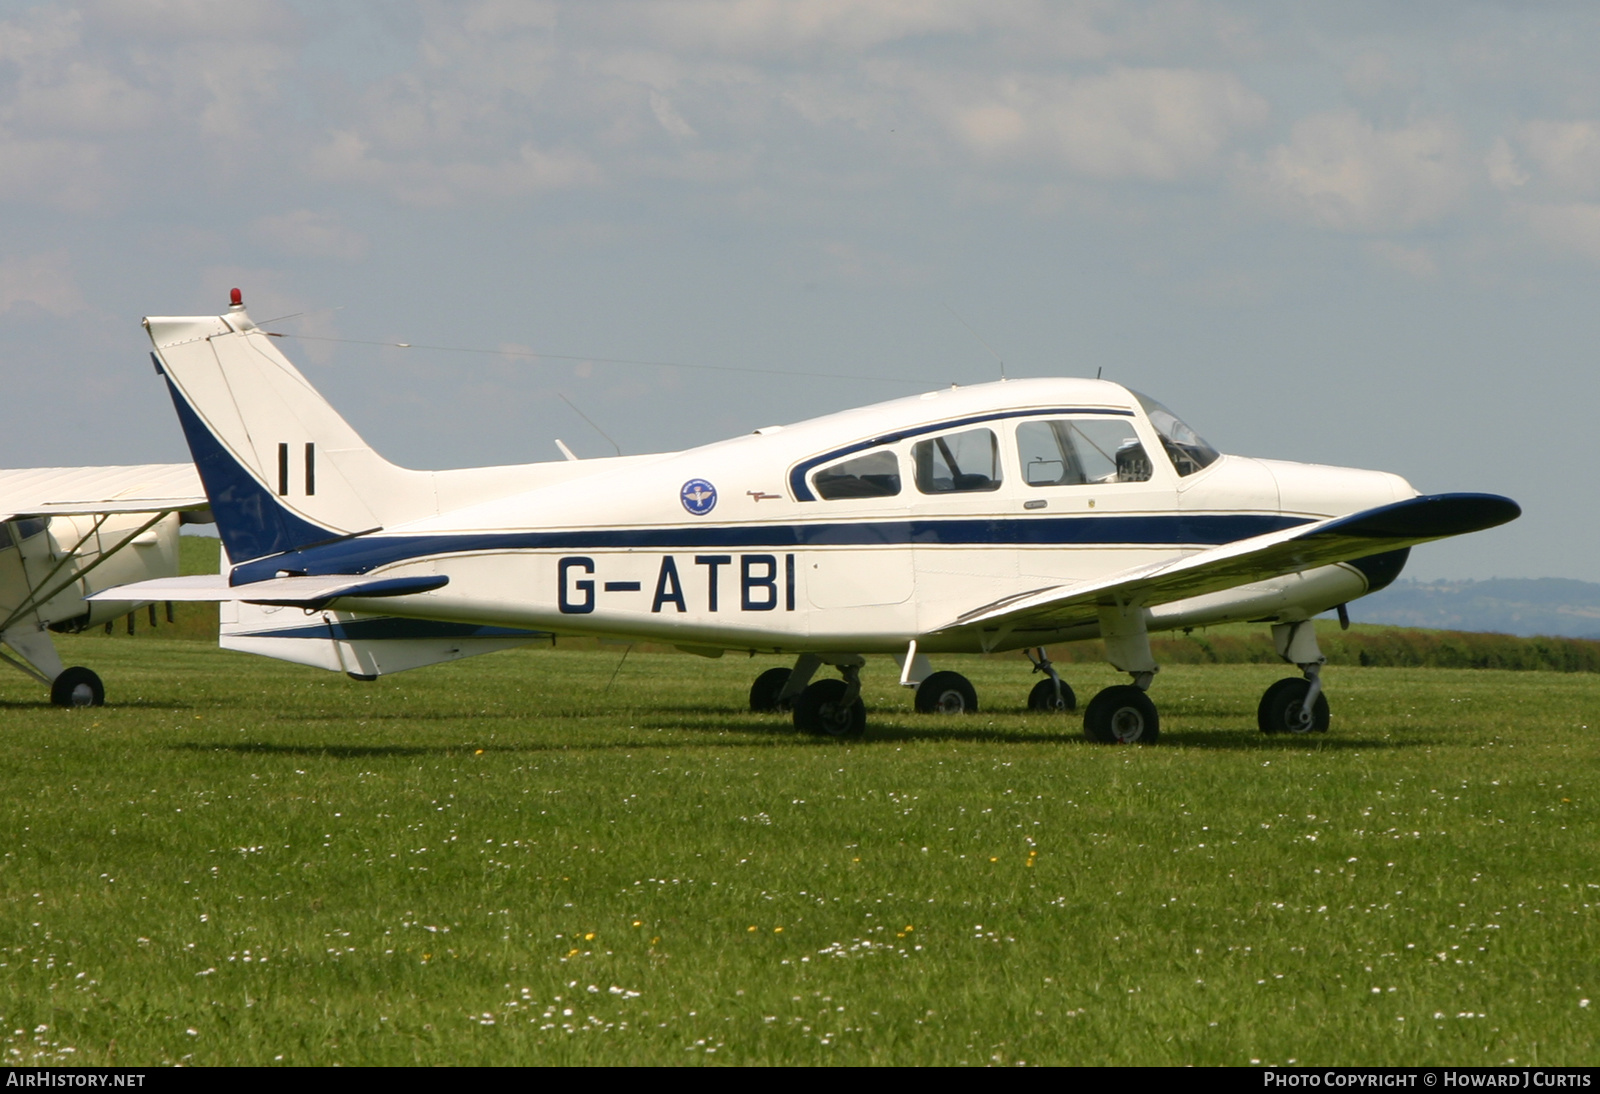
{"x":298,"y":592}
{"x":1259,"y":558}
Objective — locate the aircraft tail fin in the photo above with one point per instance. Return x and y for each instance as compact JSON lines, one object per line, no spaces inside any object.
{"x":280,"y":467}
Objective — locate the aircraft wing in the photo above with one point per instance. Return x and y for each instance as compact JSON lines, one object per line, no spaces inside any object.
{"x":70,"y":491}
{"x":1337,"y":539}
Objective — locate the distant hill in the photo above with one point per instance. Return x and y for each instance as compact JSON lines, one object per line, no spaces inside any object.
{"x":1523,"y":606}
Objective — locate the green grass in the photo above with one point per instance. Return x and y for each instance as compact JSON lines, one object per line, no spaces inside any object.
{"x":503,"y":861}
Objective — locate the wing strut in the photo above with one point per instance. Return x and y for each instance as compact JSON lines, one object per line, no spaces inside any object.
{"x":36,"y":598}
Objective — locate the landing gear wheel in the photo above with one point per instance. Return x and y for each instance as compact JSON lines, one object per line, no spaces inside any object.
{"x":946,"y":693}
{"x":821,"y":710}
{"x":1122,"y":714}
{"x":1043,"y":698}
{"x":77,"y":687}
{"x":764,"y":692}
{"x":1282,"y":708}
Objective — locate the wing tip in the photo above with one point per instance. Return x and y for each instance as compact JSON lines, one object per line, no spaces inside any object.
{"x":1432,"y":516}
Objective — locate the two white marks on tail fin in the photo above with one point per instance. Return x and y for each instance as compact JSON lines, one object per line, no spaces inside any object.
{"x":281,"y":467}
{"x":269,"y":447}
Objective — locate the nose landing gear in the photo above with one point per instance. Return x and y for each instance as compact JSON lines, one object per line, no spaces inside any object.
{"x":1053,"y":694}
{"x":1290,"y":705}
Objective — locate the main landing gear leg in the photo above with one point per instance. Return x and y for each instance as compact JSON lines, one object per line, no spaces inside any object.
{"x":833,"y":708}
{"x":1290,"y":705}
{"x":777,"y":689}
{"x":1124,"y":714}
{"x":35,"y":655}
{"x":1052,"y":694}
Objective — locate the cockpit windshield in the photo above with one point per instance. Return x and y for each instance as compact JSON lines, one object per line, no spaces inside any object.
{"x":1187,"y":449}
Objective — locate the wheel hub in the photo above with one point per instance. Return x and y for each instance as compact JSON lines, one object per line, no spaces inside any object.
{"x":1127,"y":725}
{"x":835,"y":718}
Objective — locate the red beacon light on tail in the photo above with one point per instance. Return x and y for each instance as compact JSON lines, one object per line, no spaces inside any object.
{"x":236,"y":298}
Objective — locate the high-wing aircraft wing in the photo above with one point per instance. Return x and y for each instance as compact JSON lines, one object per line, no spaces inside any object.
{"x":68,"y":531}
{"x":1339,"y":539}
{"x":61,"y":491}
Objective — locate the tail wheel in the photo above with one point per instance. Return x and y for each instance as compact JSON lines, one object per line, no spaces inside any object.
{"x":1283,"y":708}
{"x":1122,"y":714}
{"x":946,"y":693}
{"x":1043,"y":698}
{"x":821,"y":709}
{"x":764,"y":692}
{"x":77,"y":687}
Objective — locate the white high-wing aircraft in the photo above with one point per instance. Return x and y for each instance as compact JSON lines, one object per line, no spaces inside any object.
{"x":66,"y":532}
{"x":1003,"y":516}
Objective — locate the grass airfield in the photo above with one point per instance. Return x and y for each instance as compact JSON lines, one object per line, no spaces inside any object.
{"x":518,"y":859}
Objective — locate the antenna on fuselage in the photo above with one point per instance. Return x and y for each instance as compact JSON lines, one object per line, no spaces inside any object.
{"x":976,"y":335}
{"x":590,"y":420}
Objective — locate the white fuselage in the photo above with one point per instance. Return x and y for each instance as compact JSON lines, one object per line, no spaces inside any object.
{"x":732,"y":546}
{"x":48,"y":565}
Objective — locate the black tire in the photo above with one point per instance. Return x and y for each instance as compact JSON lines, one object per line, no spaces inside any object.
{"x":764,"y":692}
{"x":1043,"y":698}
{"x":77,"y":687}
{"x":1282,"y":708}
{"x":946,"y":693}
{"x":821,"y":710}
{"x":1122,"y":714}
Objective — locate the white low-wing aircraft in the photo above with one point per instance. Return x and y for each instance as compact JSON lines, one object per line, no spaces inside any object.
{"x":1003,"y":516}
{"x":66,"y":532}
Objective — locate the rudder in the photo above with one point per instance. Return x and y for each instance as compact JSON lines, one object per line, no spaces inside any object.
{"x":281,"y":468}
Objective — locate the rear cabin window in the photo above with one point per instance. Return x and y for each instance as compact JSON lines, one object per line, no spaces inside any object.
{"x":958,"y":463}
{"x":1078,"y":451}
{"x":873,"y":474}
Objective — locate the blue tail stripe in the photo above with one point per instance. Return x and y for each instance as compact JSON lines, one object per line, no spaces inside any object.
{"x":251,"y":521}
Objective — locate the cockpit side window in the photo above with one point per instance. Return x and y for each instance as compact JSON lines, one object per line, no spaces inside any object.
{"x":874,"y":474}
{"x":956,"y":463}
{"x":1187,"y":450}
{"x":1077,"y":451}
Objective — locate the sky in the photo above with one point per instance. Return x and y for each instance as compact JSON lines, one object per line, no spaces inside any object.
{"x":1351,"y":233}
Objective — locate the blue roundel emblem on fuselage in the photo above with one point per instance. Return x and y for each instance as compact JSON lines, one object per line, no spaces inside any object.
{"x":698,"y":496}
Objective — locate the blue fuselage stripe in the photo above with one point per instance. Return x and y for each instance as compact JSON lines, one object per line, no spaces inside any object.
{"x":366,"y":553}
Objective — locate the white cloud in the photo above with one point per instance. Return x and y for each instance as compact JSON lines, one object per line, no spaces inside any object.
{"x":1572,"y":228}
{"x":1566,"y":153}
{"x":669,"y":118}
{"x":1339,"y":172}
{"x":1148,"y":123}
{"x":66,"y":174}
{"x":776,"y":26}
{"x":306,"y":234}
{"x":1417,"y":262}
{"x":1504,"y":171}
{"x":39,"y":282}
{"x":1375,"y":71}
{"x":347,"y":158}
